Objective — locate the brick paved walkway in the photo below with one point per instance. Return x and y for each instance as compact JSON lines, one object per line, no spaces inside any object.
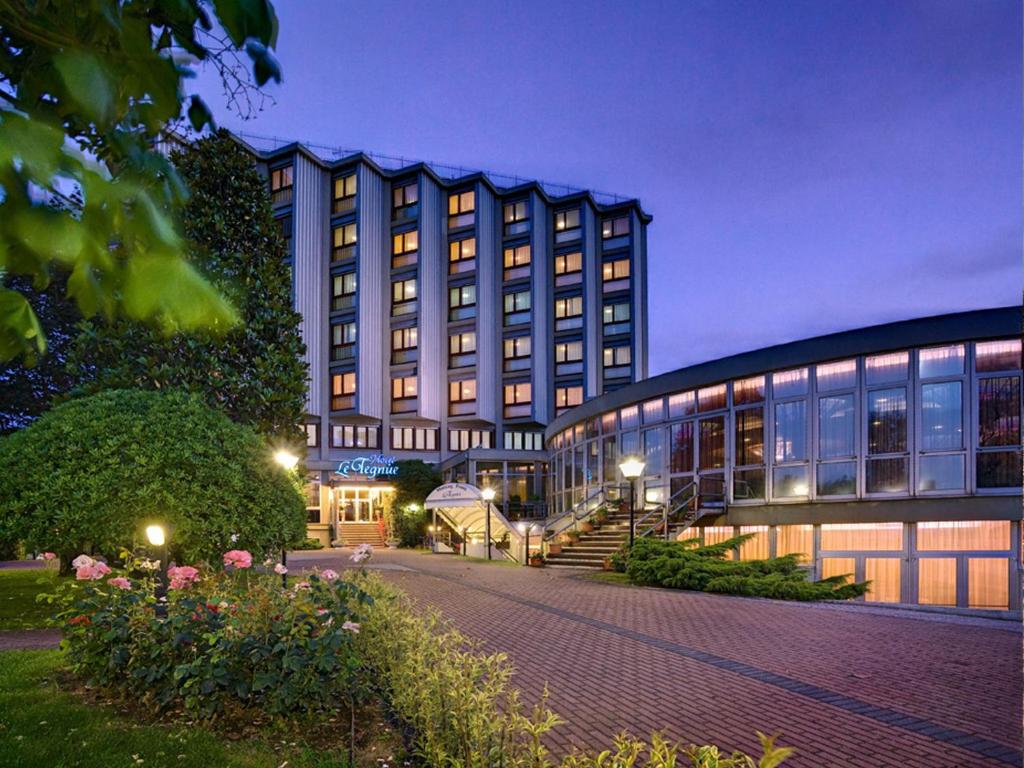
{"x":845,"y":687}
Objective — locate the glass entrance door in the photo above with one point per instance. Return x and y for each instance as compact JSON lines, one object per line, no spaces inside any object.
{"x":358,"y":504}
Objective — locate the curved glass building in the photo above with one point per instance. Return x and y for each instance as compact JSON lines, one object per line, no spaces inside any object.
{"x":891,"y":452}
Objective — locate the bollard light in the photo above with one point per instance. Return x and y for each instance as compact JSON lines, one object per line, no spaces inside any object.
{"x":156,"y":535}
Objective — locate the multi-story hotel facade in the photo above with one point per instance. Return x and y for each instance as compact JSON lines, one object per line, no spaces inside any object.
{"x":449,"y":319}
{"x":892,"y":453}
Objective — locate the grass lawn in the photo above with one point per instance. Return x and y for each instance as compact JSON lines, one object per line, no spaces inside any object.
{"x":40,"y":725}
{"x":18,"y":590}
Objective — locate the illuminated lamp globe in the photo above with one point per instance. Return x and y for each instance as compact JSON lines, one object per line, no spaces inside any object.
{"x":286,"y":459}
{"x":632,"y":467}
{"x":156,"y":535}
{"x":488,"y":494}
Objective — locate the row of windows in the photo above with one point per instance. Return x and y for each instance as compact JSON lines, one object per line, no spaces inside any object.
{"x":421,"y":439}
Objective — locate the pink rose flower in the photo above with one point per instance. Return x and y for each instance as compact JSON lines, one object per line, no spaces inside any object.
{"x":182,"y":576}
{"x":86,"y":572}
{"x":237,"y":558}
{"x":329,"y":575}
{"x":120,"y":582}
{"x":49,"y":556}
{"x":280,"y":569}
{"x":351,"y":626}
{"x":83,"y":561}
{"x":363,"y":552}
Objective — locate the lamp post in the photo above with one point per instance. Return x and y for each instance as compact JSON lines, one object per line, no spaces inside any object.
{"x":288,"y":461}
{"x":524,"y":528}
{"x":157,"y":537}
{"x":631,"y":468}
{"x":488,"y":496}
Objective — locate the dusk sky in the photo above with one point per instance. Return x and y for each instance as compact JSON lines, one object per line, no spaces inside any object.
{"x":810,"y":166}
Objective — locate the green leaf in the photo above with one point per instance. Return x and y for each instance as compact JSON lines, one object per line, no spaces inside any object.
{"x":20,"y":331}
{"x":199,"y":114}
{"x":245,"y":19}
{"x":168,"y":289}
{"x":88,"y":84}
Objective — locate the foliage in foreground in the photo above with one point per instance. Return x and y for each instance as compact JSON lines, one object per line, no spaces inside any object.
{"x":241,"y":642}
{"x":413,"y":483}
{"x":85,"y":90}
{"x":254,"y":373}
{"x":88,"y":474}
{"x":19,"y":608}
{"x":687,"y":565}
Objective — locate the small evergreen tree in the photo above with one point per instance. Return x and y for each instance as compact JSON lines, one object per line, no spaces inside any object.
{"x":254,"y":373}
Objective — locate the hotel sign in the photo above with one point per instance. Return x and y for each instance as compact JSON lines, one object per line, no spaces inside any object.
{"x":369,"y":467}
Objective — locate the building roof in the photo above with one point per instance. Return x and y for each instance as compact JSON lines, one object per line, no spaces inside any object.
{"x":994,"y":323}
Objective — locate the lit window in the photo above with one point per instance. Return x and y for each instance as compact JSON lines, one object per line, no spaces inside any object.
{"x":466,"y":439}
{"x":789,"y":383}
{"x":403,"y":297}
{"x":568,"y":313}
{"x":462,"y":349}
{"x":343,"y":339}
{"x":462,"y":302}
{"x":281,"y":184}
{"x":518,"y":399}
{"x":312,"y":431}
{"x":568,"y":268}
{"x":617,"y":356}
{"x":404,"y":247}
{"x":344,"y":194}
{"x":344,"y":240}
{"x":840,"y":375}
{"x":517,"y":262}
{"x":884,"y":368}
{"x":352,"y":436}
{"x":404,"y":196}
{"x":413,"y":439}
{"x":404,"y":341}
{"x":941,"y":361}
{"x":615,"y":270}
{"x":517,"y":308}
{"x":568,"y":351}
{"x":462,"y":256}
{"x":568,"y":219}
{"x":998,"y":355}
{"x":681,"y":404}
{"x":343,"y":390}
{"x":747,"y":391}
{"x":616,"y":318}
{"x":343,"y":291}
{"x":568,"y":397}
{"x":403,"y":394}
{"x":617,"y":227}
{"x":711,"y":398}
{"x":461,"y":397}
{"x":517,"y":352}
{"x":516,"y":218}
{"x":461,"y":209}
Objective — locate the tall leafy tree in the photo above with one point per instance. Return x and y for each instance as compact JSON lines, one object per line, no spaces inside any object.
{"x":254,"y":372}
{"x":86,"y":89}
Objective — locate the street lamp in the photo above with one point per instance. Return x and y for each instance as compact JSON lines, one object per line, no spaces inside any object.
{"x":156,"y":535}
{"x":631,"y":468}
{"x":488,"y":495}
{"x":286,"y":459}
{"x":525,"y":528}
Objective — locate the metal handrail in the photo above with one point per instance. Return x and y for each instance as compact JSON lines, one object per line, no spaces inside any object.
{"x":577,"y":511}
{"x":689,"y":492}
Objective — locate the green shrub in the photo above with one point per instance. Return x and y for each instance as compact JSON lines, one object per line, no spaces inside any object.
{"x":687,"y":565}
{"x":89,"y":473}
{"x":309,"y":543}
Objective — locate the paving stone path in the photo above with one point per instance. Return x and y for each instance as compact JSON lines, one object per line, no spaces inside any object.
{"x":846,"y":687}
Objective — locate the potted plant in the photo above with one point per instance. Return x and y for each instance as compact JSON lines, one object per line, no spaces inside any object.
{"x":608,"y":563}
{"x":536,"y":560}
{"x":572,"y":536}
{"x":601,"y":515}
{"x":555,"y":547}
{"x":588,"y":525}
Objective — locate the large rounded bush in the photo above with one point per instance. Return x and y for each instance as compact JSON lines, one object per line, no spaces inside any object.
{"x":87,"y":475}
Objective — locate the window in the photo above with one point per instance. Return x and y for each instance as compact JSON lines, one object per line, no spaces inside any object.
{"x":284,"y":224}
{"x":681,"y":447}
{"x":568,"y":268}
{"x":461,"y":209}
{"x":517,"y":353}
{"x":413,"y":439}
{"x":618,"y":227}
{"x":517,"y":218}
{"x":712,"y":398}
{"x":616,"y":319}
{"x":517,"y":308}
{"x":840,"y":375}
{"x":343,"y":291}
{"x":402,"y":198}
{"x":466,"y":439}
{"x":351,"y":436}
{"x":941,"y":430}
{"x":615,"y":275}
{"x":941,"y":361}
{"x":882,"y":369}
{"x":999,"y":432}
{"x":461,"y":397}
{"x":567,"y":225}
{"x":517,"y":262}
{"x":462,"y":302}
{"x":749,"y":436}
{"x":711,"y":434}
{"x":462,"y":349}
{"x":681,"y":404}
{"x":518,"y":399}
{"x":343,"y":390}
{"x":404,"y":343}
{"x":524,"y":441}
{"x":568,"y":313}
{"x":789,"y":383}
{"x":462,"y":256}
{"x":344,"y":194}
{"x":343,"y":341}
{"x":312,"y":430}
{"x":344,"y":242}
{"x":404,"y":391}
{"x":404,"y":247}
{"x":403,"y":297}
{"x":836,"y":441}
{"x":567,"y":397}
{"x":281,"y":184}
{"x":617,"y":361}
{"x":887,"y":435}
{"x":747,"y":391}
{"x":997,"y":356}
{"x":790,"y":448}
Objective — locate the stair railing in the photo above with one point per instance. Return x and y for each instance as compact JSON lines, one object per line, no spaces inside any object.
{"x":660,"y":517}
{"x":570,"y":518}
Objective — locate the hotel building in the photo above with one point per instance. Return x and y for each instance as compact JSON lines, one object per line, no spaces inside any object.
{"x":892,"y":453}
{"x":449,"y":318}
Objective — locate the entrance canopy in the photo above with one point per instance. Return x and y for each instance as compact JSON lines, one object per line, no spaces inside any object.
{"x":463,"y":507}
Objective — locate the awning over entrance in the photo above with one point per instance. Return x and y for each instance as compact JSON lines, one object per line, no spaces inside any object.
{"x":462,"y":506}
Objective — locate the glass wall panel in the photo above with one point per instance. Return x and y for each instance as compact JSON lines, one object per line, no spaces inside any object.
{"x":884,"y":575}
{"x":748,"y":484}
{"x":840,"y":375}
{"x":712,"y":443}
{"x":682,"y":447}
{"x":836,"y":427}
{"x":999,"y":411}
{"x":853,"y":537}
{"x":944,"y":472}
{"x":790,"y":482}
{"x":997,"y":355}
{"x":717,"y":534}
{"x":789,"y":383}
{"x":791,"y":431}
{"x":837,"y":478}
{"x":654,"y":411}
{"x":750,"y":436}
{"x":880,"y":369}
{"x":936,"y":581}
{"x":988,"y":582}
{"x":942,"y":426}
{"x":747,"y":391}
{"x":757,"y":547}
{"x":795,"y":540}
{"x":999,"y":469}
{"x":630,"y":444}
{"x":711,"y":398}
{"x":654,"y":451}
{"x":629,"y":417}
{"x":887,"y":476}
{"x":968,"y":535}
{"x":941,"y":361}
{"x":681,"y":404}
{"x":838,"y":566}
{"x":887,"y":421}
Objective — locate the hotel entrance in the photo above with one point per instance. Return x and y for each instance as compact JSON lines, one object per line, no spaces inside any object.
{"x":359,"y":503}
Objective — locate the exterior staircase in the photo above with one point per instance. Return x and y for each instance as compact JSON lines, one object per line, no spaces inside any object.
{"x":354,"y":534}
{"x":592,"y":548}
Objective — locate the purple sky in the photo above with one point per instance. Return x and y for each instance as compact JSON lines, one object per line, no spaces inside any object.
{"x":811,"y":166}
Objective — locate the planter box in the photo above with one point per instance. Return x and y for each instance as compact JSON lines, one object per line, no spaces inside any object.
{"x":536,"y":563}
{"x":586,"y":527}
{"x":555,"y":549}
